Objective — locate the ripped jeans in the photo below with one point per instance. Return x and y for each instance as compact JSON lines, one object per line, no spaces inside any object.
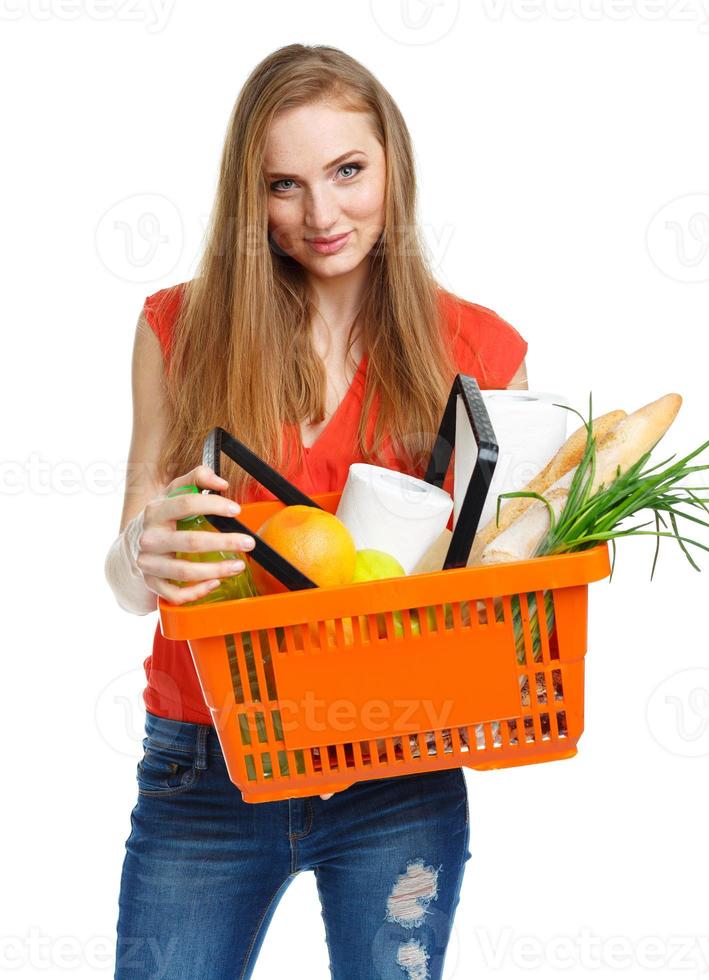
{"x":203,"y":871}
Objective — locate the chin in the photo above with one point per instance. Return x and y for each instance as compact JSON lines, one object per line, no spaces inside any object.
{"x":330,"y":270}
{"x":331,"y":265}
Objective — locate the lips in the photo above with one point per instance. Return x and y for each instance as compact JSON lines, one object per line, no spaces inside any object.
{"x":327,"y":241}
{"x":328,"y":246}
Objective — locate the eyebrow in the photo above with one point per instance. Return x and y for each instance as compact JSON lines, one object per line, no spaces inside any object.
{"x":326,"y":167}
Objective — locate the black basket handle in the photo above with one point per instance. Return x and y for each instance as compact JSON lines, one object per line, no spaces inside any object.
{"x":466,"y":527}
{"x":220,"y":441}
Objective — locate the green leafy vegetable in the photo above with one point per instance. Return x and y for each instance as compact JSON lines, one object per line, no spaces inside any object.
{"x":589,"y":518}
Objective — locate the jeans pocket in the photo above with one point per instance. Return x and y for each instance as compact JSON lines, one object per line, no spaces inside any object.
{"x":165,"y":770}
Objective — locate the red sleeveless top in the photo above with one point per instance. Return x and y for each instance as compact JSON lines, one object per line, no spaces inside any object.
{"x":485,"y":346}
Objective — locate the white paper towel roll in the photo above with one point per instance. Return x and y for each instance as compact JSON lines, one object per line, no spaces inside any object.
{"x":393,"y":512}
{"x":530,"y":429}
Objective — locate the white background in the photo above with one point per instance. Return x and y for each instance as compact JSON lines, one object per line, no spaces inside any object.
{"x":562,"y":154}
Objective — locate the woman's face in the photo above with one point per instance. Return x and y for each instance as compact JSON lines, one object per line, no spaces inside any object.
{"x":325,"y":175}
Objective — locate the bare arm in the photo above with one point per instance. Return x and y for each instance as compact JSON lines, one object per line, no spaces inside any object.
{"x":121,"y":568}
{"x":142,"y":564}
{"x":149,"y":422}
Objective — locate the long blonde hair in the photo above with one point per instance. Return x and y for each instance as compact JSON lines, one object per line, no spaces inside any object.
{"x":242,"y":355}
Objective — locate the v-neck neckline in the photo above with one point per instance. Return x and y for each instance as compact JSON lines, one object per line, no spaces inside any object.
{"x":308,"y":450}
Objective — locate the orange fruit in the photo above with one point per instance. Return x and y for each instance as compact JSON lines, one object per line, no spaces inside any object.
{"x":313,"y":540}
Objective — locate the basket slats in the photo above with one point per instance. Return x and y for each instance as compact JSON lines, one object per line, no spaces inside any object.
{"x":413,"y":697}
{"x":363,"y":685}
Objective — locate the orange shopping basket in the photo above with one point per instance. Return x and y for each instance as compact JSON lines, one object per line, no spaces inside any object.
{"x":313,"y":689}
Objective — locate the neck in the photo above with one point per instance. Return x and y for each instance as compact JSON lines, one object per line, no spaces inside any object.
{"x":339,"y":299}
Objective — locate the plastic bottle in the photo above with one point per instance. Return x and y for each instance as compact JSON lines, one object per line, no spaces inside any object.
{"x":239,"y":586}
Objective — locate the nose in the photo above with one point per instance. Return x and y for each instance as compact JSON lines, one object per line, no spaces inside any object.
{"x":321,"y":210}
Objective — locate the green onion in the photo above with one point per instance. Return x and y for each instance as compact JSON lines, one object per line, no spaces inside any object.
{"x":588,"y":518}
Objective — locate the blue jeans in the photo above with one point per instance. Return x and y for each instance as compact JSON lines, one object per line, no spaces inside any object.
{"x":203,"y":871}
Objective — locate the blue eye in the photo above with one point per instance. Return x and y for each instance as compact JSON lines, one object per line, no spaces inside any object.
{"x":274,"y":185}
{"x":345,"y":166}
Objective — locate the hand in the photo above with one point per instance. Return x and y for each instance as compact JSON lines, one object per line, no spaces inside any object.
{"x":160,"y":539}
{"x":326,"y":796}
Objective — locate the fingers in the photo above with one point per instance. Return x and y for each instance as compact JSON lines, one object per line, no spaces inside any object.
{"x":326,"y":796}
{"x":189,"y":504}
{"x":184,"y":570}
{"x":194,"y":541}
{"x":176,"y":594}
{"x":160,"y":540}
{"x":186,"y":504}
{"x":201,"y":476}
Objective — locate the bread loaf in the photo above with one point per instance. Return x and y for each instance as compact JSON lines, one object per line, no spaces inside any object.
{"x":630,"y":439}
{"x":567,"y":458}
{"x":432,"y":560}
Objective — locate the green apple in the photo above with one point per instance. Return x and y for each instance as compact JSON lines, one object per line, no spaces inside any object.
{"x":372,"y":564}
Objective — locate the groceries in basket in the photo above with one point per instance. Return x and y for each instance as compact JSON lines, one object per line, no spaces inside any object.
{"x":488,"y":626}
{"x":393,"y":512}
{"x":529,"y":426}
{"x":592,"y":485}
{"x":597,"y":479}
{"x":314,"y":541}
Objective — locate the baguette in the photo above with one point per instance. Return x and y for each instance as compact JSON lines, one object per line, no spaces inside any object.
{"x":432,"y":560}
{"x":630,"y":439}
{"x":567,"y":458}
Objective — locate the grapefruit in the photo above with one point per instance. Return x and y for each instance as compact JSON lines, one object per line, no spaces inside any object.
{"x":313,"y":540}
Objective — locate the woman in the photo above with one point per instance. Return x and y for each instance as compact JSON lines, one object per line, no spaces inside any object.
{"x":316,"y":332}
